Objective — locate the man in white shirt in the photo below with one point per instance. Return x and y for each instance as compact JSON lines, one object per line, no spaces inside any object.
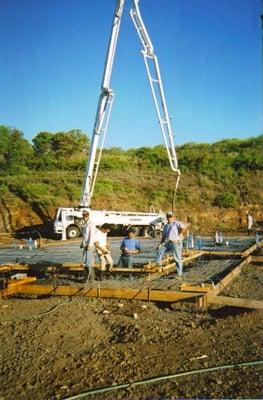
{"x":249,"y":222}
{"x":88,"y":230}
{"x":172,"y":240}
{"x":102,"y":247}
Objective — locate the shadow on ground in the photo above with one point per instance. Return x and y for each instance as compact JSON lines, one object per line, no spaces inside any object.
{"x":44,"y":230}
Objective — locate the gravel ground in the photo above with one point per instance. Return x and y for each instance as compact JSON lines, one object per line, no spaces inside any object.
{"x":53,"y":353}
{"x":63,"y":252}
{"x":54,"y":348}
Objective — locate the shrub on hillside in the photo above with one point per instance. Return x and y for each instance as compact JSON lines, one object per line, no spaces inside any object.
{"x":16,"y":154}
{"x":36,"y":190}
{"x":158,"y":197}
{"x":114,"y":162}
{"x":225,"y":200}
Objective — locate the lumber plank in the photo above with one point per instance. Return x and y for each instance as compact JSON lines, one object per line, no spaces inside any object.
{"x":134,"y":269}
{"x":58,"y":269}
{"x":117,"y":293}
{"x":14,"y":267}
{"x":192,"y":256}
{"x":250,"y":250}
{"x":235,"y":302}
{"x":203,"y":288}
{"x":15,"y":285}
{"x":168,"y":268}
{"x":222,"y":253}
{"x":257,"y":259}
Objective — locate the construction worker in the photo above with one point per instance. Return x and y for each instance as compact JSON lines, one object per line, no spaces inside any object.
{"x":172,"y":240}
{"x":129,"y":246}
{"x":88,"y":230}
{"x":218,"y":238}
{"x":249,"y":222}
{"x":103,"y":249}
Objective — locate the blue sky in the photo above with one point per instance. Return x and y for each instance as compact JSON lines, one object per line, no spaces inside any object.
{"x":52,"y":56}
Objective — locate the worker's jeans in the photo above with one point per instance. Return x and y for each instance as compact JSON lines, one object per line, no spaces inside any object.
{"x":89,"y":264}
{"x":105,"y":259}
{"x":126,"y":261}
{"x":174,"y":247}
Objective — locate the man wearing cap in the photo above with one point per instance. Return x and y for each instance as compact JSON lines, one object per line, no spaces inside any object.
{"x":172,"y":240}
{"x":88,"y":230}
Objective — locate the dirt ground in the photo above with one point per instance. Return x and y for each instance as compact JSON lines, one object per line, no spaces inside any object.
{"x":58,"y":348}
{"x":55,"y":348}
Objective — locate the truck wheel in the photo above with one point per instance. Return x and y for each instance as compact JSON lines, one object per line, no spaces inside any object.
{"x":137,"y":230}
{"x":72,"y":232}
{"x":145,"y":231}
{"x":156,"y":234}
{"x":148,"y":231}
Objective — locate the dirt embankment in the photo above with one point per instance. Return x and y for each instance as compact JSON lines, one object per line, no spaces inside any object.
{"x":16,"y":214}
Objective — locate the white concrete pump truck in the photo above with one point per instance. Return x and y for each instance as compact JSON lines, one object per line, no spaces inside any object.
{"x":67,"y":220}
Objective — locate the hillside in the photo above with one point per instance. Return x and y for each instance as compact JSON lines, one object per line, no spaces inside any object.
{"x":219,"y":183}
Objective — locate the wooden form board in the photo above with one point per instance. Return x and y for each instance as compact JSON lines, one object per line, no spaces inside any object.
{"x":14,"y":286}
{"x":14,"y":267}
{"x":202,"y":288}
{"x":222,"y":253}
{"x":115,"y":293}
{"x":158,"y":271}
{"x":235,"y":302}
{"x":257,"y":259}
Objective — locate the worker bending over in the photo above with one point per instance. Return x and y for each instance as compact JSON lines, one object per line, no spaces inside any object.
{"x":172,"y":240}
{"x":103,"y":248}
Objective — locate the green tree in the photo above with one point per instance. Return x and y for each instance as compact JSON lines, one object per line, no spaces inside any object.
{"x":68,"y":143}
{"x":42,"y":143}
{"x":61,"y":149}
{"x":16,"y":153}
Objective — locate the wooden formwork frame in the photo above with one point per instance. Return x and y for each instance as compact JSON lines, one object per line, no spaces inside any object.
{"x":211,"y":296}
{"x":203,"y":295}
{"x":152,"y":270}
{"x":149,"y":268}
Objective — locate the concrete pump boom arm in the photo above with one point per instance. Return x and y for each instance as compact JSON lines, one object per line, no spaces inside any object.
{"x":103,"y":112}
{"x":154,"y":76}
{"x":107,"y":96}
